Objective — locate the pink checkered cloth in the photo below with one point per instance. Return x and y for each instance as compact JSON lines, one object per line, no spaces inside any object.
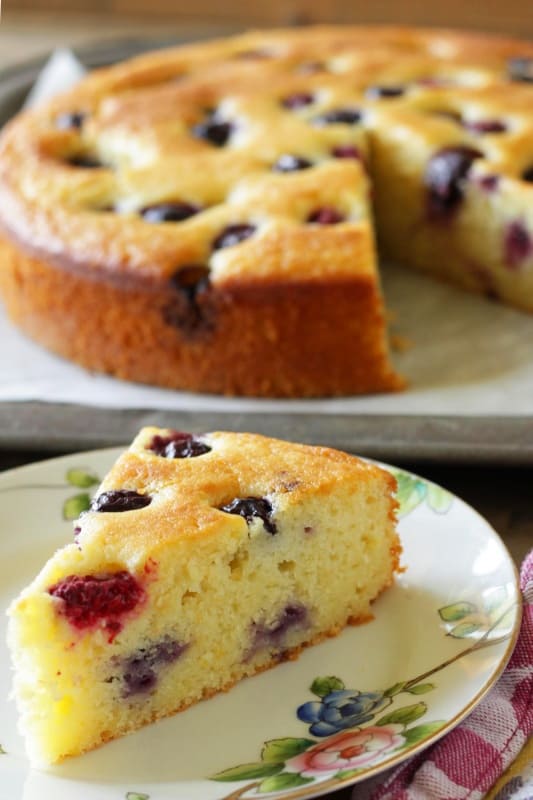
{"x":466,"y":763}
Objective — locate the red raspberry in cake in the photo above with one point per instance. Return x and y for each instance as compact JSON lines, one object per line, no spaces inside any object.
{"x":90,"y":599}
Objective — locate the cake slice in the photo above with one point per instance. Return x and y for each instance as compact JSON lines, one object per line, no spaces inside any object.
{"x":202,"y":560}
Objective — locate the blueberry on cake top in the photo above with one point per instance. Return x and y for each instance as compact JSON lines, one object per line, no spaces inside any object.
{"x":204,"y":217}
{"x":202,"y":560}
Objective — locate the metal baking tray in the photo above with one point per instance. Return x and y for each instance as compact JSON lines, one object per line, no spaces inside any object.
{"x":53,"y":427}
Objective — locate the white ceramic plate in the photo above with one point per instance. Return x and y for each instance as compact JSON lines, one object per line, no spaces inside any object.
{"x":347,"y":709}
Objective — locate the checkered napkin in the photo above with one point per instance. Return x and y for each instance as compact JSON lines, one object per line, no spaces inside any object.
{"x":466,"y":763}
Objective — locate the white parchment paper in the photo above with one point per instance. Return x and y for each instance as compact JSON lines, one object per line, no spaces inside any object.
{"x":469,"y":356}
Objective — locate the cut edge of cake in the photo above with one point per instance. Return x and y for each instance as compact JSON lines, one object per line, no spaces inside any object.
{"x":88,"y":674}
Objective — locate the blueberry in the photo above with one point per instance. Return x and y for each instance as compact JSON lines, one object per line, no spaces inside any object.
{"x":85,"y":161}
{"x":190,"y":280}
{"x":297,"y":100}
{"x":346,"y":151}
{"x":445,"y":178}
{"x":290,"y":163}
{"x":486,"y":126}
{"x":69,"y":120}
{"x":187,"y":311}
{"x":178,"y":445}
{"x":294,"y":615}
{"x":376,"y":92}
{"x":489,"y":183}
{"x":139,"y":671}
{"x":527,"y":175}
{"x":325,"y":216}
{"x":168,"y":212}
{"x":518,"y":244}
{"x":521,"y":69}
{"x":311,"y":67}
{"x":250,"y":507}
{"x":120,"y":500}
{"x":214,"y":130}
{"x":251,"y":55}
{"x":339,"y":116}
{"x":232,"y":235}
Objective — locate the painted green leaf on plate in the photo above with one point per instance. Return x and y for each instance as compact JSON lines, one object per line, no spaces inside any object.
{"x":81,"y":478}
{"x":421,"y":688}
{"x":421,"y":732}
{"x":137,"y":796}
{"x":247,"y":772}
{"x":438,"y":499}
{"x":395,"y":689}
{"x":285,"y":780}
{"x":323,"y":686}
{"x":464,"y":629}
{"x":404,"y":715}
{"x":279,"y":750}
{"x":457,"y":611}
{"x":75,"y":505}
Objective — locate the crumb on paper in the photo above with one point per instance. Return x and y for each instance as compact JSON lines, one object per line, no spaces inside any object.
{"x":401,"y":343}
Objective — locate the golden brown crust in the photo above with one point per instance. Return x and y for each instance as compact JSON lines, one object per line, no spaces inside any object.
{"x":149,"y":334}
{"x":296,"y":309}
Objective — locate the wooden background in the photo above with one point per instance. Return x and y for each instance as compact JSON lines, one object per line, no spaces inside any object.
{"x":513,"y":16}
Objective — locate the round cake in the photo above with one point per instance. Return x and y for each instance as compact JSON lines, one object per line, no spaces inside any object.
{"x":204,"y":218}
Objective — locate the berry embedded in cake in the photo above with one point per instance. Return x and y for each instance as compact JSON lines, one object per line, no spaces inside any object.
{"x":244,"y":184}
{"x":202,"y":560}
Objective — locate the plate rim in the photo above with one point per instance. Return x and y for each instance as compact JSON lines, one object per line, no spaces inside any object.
{"x":314,"y":791}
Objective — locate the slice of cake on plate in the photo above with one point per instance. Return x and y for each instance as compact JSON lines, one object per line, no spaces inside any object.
{"x":202,"y":560}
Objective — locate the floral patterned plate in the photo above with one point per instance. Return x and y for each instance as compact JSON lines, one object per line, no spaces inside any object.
{"x":345,"y":710}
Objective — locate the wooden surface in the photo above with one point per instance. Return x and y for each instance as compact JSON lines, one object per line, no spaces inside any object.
{"x":513,"y":16}
{"x":25,"y":33}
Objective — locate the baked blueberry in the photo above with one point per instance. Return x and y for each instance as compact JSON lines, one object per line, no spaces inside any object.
{"x":86,"y":161}
{"x":339,"y":116}
{"x":485,"y":126}
{"x":521,"y":69}
{"x":378,"y":92}
{"x":346,"y":151}
{"x":290,"y":163}
{"x":518,"y":244}
{"x":297,"y":100}
{"x":232,"y":235}
{"x":168,"y":212}
{"x":140,"y":670}
{"x":294,"y":615}
{"x":445,"y":178}
{"x":311,"y":67}
{"x":325,"y":216}
{"x":250,"y":507}
{"x":120,"y":500}
{"x":527,"y":175}
{"x":70,"y":120}
{"x":214,"y":130}
{"x":178,"y":445}
{"x":191,"y":279}
{"x":251,"y":55}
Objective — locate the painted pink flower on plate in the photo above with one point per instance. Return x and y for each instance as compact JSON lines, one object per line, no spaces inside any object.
{"x":351,"y":750}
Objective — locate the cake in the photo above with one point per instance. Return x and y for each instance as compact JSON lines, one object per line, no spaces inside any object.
{"x":204,"y":217}
{"x":231,"y":552}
